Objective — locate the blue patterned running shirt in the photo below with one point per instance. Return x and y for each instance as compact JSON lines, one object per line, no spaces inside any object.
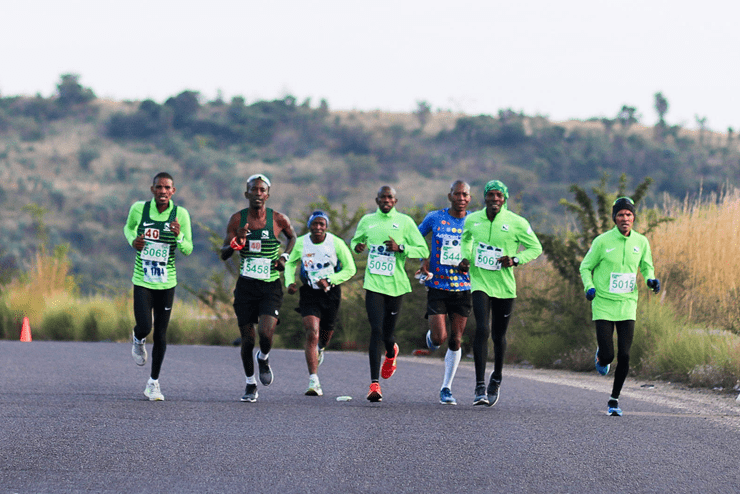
{"x":446,"y":233}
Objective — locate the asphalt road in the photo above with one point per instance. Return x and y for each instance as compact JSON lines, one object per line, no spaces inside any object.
{"x":74,"y":419}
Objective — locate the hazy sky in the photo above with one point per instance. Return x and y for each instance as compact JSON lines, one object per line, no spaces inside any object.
{"x":562,"y":59}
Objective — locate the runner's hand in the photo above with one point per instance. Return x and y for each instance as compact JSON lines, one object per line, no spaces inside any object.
{"x":360,"y":248}
{"x":175,"y":227}
{"x":139,"y":243}
{"x":464,"y":266}
{"x":292,"y":288}
{"x":591,"y":294}
{"x":654,"y":285}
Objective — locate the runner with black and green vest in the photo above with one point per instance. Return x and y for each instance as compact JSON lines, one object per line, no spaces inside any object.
{"x":491,"y":238}
{"x":258,"y":295}
{"x":155,"y":229}
{"x":325,"y":262}
{"x":609,"y":274}
{"x":390,"y":237}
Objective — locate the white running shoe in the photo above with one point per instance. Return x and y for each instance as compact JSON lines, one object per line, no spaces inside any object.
{"x":314,"y":387}
{"x":152,"y":391}
{"x":138,"y":351}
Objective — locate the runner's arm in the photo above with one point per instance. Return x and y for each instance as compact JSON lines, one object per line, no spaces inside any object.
{"x":348,"y":263}
{"x":132,"y":222}
{"x":185,"y":239}
{"x":532,"y":245}
{"x":293,"y":261}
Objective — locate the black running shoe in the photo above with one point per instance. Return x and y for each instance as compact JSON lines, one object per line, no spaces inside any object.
{"x":250,"y":394}
{"x":265,"y":371}
{"x":493,"y":391}
{"x":480,"y":395}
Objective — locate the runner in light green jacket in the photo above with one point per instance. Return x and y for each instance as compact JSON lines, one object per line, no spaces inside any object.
{"x":390,"y":237}
{"x":609,"y":274}
{"x":490,"y":240}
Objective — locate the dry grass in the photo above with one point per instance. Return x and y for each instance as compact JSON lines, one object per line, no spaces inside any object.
{"x":697,"y":257}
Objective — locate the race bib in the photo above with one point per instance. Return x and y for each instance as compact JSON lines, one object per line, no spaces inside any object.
{"x":381,"y":261}
{"x":450,"y":254}
{"x":486,"y":257}
{"x":154,"y":272}
{"x":256,"y":267}
{"x":622,"y":282}
{"x":155,"y":251}
{"x":255,"y":245}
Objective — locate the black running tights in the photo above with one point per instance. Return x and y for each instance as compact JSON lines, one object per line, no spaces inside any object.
{"x":605,"y":340}
{"x":382,"y":312}
{"x":492,"y":317}
{"x":159,"y":303}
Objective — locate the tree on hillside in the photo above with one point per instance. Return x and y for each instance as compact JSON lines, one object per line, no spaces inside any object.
{"x":661,"y":106}
{"x":184,"y":107}
{"x":70,"y":92}
{"x":566,"y":251}
{"x":627,"y":116}
{"x":423,"y":112}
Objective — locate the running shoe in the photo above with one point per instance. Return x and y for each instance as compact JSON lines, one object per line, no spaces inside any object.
{"x":389,"y":364}
{"x":138,"y":351}
{"x":446,"y":398}
{"x":480,"y":395}
{"x":265,"y":370}
{"x":321,"y":355}
{"x":250,"y":393}
{"x":374,"y":394}
{"x":314,"y":387}
{"x":430,"y":343}
{"x":152,"y":391}
{"x":492,"y":391}
{"x":601,"y":369}
{"x":614,"y":409}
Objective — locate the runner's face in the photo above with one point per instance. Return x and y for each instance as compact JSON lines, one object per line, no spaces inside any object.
{"x":495,"y":200}
{"x":459,"y":197}
{"x":162,"y":190}
{"x":257,"y":193}
{"x":386,"y":200}
{"x":624,"y":221}
{"x":318,"y":230}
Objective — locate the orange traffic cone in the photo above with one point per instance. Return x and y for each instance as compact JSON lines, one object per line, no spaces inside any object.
{"x":26,"y":330}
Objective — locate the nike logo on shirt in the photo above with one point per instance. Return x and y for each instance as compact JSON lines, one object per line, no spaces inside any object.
{"x":609,"y":250}
{"x":147,"y":224}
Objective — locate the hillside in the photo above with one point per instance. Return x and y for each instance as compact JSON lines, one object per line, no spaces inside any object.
{"x":85,"y":161}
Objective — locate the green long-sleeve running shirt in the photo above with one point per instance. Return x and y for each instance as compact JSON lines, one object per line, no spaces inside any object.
{"x":611,"y":266}
{"x":385,"y":271}
{"x":484,"y":241}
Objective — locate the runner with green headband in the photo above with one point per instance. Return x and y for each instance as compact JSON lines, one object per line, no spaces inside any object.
{"x":491,"y":238}
{"x":609,"y":274}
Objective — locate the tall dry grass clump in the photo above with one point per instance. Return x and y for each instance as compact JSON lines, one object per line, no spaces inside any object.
{"x":697,"y":258}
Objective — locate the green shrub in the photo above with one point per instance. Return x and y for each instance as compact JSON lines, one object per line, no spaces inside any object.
{"x":58,"y":325}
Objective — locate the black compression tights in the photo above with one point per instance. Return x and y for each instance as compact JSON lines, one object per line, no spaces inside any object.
{"x":492,"y":316}
{"x":605,"y":340}
{"x":159,"y":303}
{"x":382,"y":312}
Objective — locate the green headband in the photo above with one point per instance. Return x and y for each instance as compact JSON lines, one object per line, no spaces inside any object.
{"x":496,"y":185}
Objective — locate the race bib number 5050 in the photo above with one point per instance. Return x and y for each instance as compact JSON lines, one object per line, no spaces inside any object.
{"x":381,"y":261}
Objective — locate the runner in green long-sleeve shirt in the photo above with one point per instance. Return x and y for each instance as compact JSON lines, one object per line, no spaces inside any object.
{"x":390,"y":237}
{"x":155,"y":229}
{"x":609,"y":274}
{"x":325,"y":262}
{"x":490,"y":240}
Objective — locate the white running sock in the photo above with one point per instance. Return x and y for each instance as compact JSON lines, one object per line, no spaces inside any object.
{"x":152,"y":380}
{"x":261,"y":356}
{"x":452,"y":359}
{"x":251,"y":380}
{"x":313,"y":376}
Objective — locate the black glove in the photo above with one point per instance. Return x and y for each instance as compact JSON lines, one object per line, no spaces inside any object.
{"x":654,"y":285}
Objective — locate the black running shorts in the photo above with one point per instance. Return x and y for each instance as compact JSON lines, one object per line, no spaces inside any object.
{"x":255,"y":298}
{"x":449,"y":302}
{"x":321,"y":304}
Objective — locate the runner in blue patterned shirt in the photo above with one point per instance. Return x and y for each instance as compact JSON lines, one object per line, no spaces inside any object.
{"x":448,"y":289}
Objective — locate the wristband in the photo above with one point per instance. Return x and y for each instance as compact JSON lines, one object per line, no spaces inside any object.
{"x":285,"y":255}
{"x":235,"y":244}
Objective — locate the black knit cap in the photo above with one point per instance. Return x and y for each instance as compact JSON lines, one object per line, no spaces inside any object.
{"x":620,"y":204}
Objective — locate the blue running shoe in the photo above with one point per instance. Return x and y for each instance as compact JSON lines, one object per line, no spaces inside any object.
{"x":614,"y":409}
{"x":430,"y":343}
{"x":481,"y":398}
{"x":601,"y":369}
{"x":446,"y":398}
